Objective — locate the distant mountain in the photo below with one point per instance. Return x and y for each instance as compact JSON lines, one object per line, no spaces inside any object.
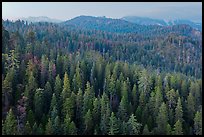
{"x":195,"y":25}
{"x":150,"y":21}
{"x":123,"y":26}
{"x":40,"y":19}
{"x":144,"y":20}
{"x":103,"y":23}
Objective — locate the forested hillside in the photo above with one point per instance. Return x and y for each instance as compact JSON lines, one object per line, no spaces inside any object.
{"x":113,"y":79}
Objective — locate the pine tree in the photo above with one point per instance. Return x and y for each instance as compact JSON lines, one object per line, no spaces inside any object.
{"x":113,"y":125}
{"x":53,"y":102}
{"x":30,"y":89}
{"x":68,"y":106}
{"x":179,"y":111}
{"x":190,"y":107}
{"x":79,"y":103}
{"x":88,"y":98}
{"x":142,"y":99}
{"x":158,"y":100}
{"x":104,"y":114}
{"x":122,"y":111}
{"x":198,"y":123}
{"x":30,"y":117}
{"x":124,"y":93}
{"x":168,"y":129}
{"x":66,"y":92}
{"x":135,"y":96}
{"x":162,"y":120}
{"x":49,"y":128}
{"x":77,"y":79}
{"x":34,"y":129}
{"x":146,"y":130}
{"x":171,"y":97}
{"x":133,"y":126}
{"x":88,"y":122}
{"x":38,"y":101}
{"x":58,"y":87}
{"x":56,"y":126}
{"x":96,"y":111}
{"x":178,"y":130}
{"x":66,"y":125}
{"x":72,"y":129}
{"x":47,"y":97}
{"x":10,"y":124}
{"x":27,"y":130}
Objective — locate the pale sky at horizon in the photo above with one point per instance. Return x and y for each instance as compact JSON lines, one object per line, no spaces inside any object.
{"x":68,"y":10}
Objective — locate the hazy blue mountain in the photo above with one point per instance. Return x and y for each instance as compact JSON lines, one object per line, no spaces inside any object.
{"x":123,"y":26}
{"x":150,"y":21}
{"x":103,"y":23}
{"x":144,"y":20}
{"x":191,"y":23}
{"x":40,"y":19}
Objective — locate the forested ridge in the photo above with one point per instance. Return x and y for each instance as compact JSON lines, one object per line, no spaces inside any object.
{"x":65,"y":79}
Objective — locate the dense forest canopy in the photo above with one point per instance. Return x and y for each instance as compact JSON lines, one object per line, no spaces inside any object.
{"x":110,"y":77}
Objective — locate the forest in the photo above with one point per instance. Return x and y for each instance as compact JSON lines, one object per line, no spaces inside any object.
{"x":61,"y":79}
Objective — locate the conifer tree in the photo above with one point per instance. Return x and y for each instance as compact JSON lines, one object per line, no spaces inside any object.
{"x":113,"y":125}
{"x":178,"y":130}
{"x":198,"y":123}
{"x":10,"y":124}
{"x":162,"y":120}
{"x":133,"y":126}
{"x":179,"y":111}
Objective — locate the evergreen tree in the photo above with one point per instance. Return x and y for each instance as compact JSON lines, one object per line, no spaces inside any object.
{"x":72,"y":129}
{"x":10,"y":124}
{"x":38,"y":101}
{"x":47,"y":97}
{"x":162,"y":120}
{"x":49,"y":128}
{"x":66,"y":92}
{"x":190,"y":107}
{"x":88,"y":98}
{"x":79,"y":103}
{"x":88,"y":122}
{"x":122,"y":111}
{"x":198,"y":123}
{"x":27,"y":130}
{"x":56,"y":126}
{"x":168,"y":130}
{"x":58,"y":87}
{"x":133,"y":126}
{"x":179,"y":111}
{"x":146,"y":130}
{"x":113,"y":125}
{"x":66,"y":125}
{"x":178,"y":130}
{"x":135,"y":96}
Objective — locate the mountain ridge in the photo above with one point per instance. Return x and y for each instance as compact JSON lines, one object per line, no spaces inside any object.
{"x":161,"y":22}
{"x":34,"y":19}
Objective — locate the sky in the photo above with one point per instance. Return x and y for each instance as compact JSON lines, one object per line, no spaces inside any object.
{"x":68,"y":10}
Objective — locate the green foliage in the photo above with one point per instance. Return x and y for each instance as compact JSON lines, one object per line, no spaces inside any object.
{"x":198,"y":123}
{"x":10,"y":124}
{"x":49,"y":128}
{"x":146,"y":131}
{"x":179,"y":111}
{"x":162,"y":120}
{"x":38,"y":101}
{"x":133,"y":126}
{"x":178,"y":130}
{"x":79,"y":81}
{"x":88,"y":122}
{"x":66,"y":92}
{"x":113,"y":125}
